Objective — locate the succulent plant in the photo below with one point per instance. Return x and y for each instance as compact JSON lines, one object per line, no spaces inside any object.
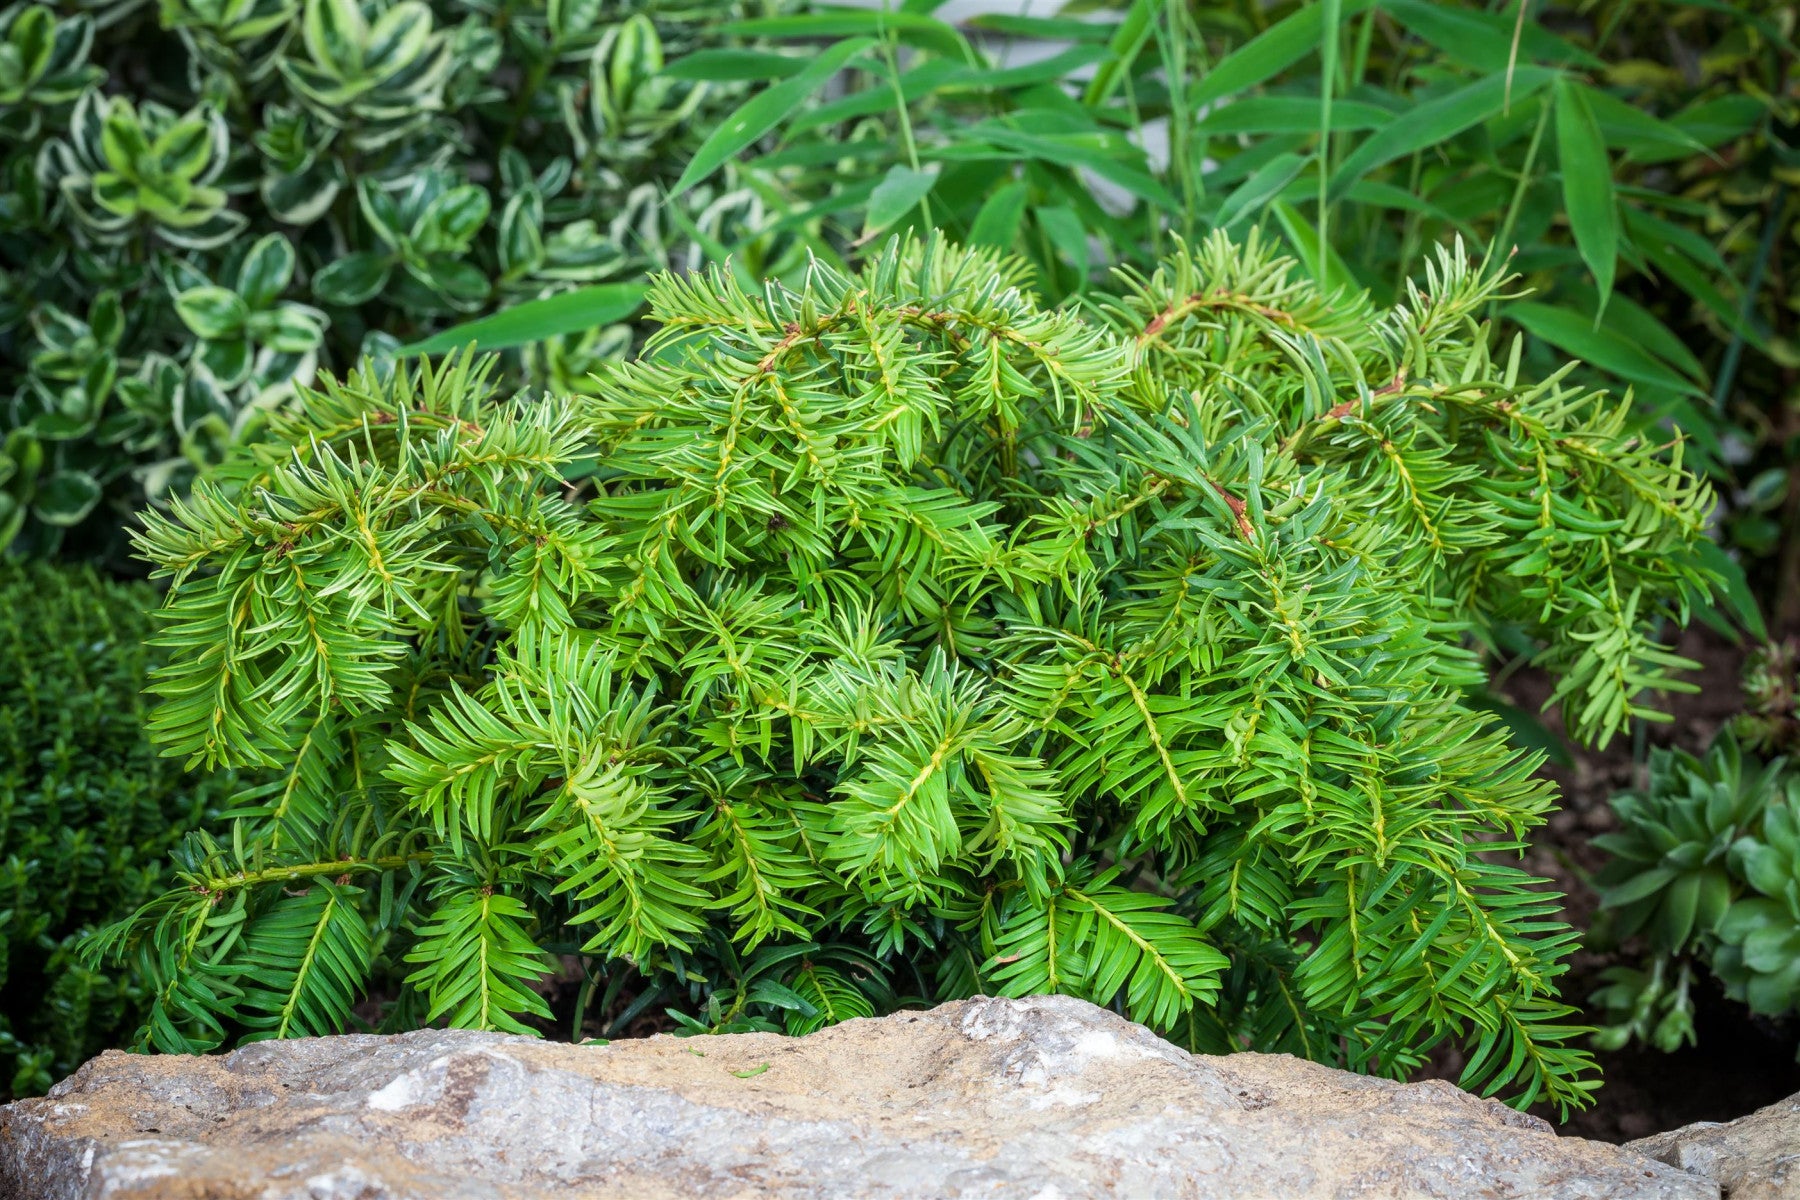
{"x":1705,"y":869}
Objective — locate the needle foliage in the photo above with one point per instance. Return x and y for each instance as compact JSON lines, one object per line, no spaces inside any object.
{"x":894,"y":637}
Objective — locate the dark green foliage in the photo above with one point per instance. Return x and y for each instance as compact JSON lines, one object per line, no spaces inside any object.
{"x":204,"y":203}
{"x":88,"y":812}
{"x":897,"y":637}
{"x":1706,"y":869}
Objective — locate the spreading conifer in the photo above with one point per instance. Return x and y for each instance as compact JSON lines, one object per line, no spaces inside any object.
{"x":891,"y":637}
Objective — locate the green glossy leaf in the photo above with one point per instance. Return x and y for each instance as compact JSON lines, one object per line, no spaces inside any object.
{"x":458,"y":281}
{"x":266,"y":270}
{"x":1587,"y":185}
{"x":521,"y":235}
{"x":400,"y":36}
{"x":451,"y":221}
{"x":352,"y":279}
{"x":65,"y":498}
{"x":31,"y":36}
{"x":761,"y":113}
{"x":184,"y":150}
{"x":123,"y":140}
{"x":335,"y":33}
{"x":899,"y":191}
{"x":288,"y":329}
{"x":533,"y":321}
{"x":212,"y":312}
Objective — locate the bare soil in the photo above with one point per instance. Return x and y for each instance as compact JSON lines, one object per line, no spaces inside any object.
{"x":1741,"y":1062}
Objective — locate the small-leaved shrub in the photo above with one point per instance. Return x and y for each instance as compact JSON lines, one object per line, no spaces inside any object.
{"x":203,"y":202}
{"x":895,"y":636}
{"x":88,"y":812}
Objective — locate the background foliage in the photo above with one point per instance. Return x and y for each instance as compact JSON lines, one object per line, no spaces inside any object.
{"x":206,"y":201}
{"x":88,"y":812}
{"x":1705,"y":870}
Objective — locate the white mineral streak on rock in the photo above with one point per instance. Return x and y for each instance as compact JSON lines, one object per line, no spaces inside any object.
{"x":404,"y":1092}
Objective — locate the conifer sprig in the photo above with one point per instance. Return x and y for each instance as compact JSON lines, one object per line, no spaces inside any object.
{"x":891,"y":633}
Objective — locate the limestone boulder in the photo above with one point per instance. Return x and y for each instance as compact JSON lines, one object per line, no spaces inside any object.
{"x":1041,"y":1099}
{"x":1752,"y":1158}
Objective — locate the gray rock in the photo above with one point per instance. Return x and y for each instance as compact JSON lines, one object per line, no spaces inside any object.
{"x":1752,"y":1158}
{"x":1042,"y":1099}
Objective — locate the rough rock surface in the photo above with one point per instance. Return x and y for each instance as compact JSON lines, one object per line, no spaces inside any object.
{"x":1752,"y":1158}
{"x":1042,"y":1099}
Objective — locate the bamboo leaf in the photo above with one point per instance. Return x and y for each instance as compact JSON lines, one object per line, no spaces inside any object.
{"x":1434,"y":119}
{"x":533,"y":321}
{"x":898,"y":192}
{"x":1256,"y":192}
{"x":1305,"y":240}
{"x":1587,"y":185}
{"x":764,"y":111}
{"x":911,"y":27}
{"x":997,"y":224}
{"x":723,"y":66}
{"x":1577,"y":335}
{"x":1127,"y":41}
{"x":1291,"y":114}
{"x":1735,"y":588}
{"x":1481,"y":39}
{"x":1270,"y":52}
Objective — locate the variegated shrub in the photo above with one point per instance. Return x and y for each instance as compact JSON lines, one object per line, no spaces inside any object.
{"x":207,"y":200}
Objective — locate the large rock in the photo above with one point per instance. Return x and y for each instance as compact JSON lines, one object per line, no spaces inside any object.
{"x":1752,"y":1158}
{"x":1043,"y":1099}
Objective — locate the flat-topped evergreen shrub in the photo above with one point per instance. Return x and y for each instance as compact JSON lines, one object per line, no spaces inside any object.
{"x":896,"y":639}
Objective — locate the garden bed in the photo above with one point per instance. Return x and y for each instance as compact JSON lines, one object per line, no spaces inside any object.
{"x":1742,"y":1062}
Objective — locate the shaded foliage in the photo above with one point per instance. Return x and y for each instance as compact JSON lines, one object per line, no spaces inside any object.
{"x":88,"y":812}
